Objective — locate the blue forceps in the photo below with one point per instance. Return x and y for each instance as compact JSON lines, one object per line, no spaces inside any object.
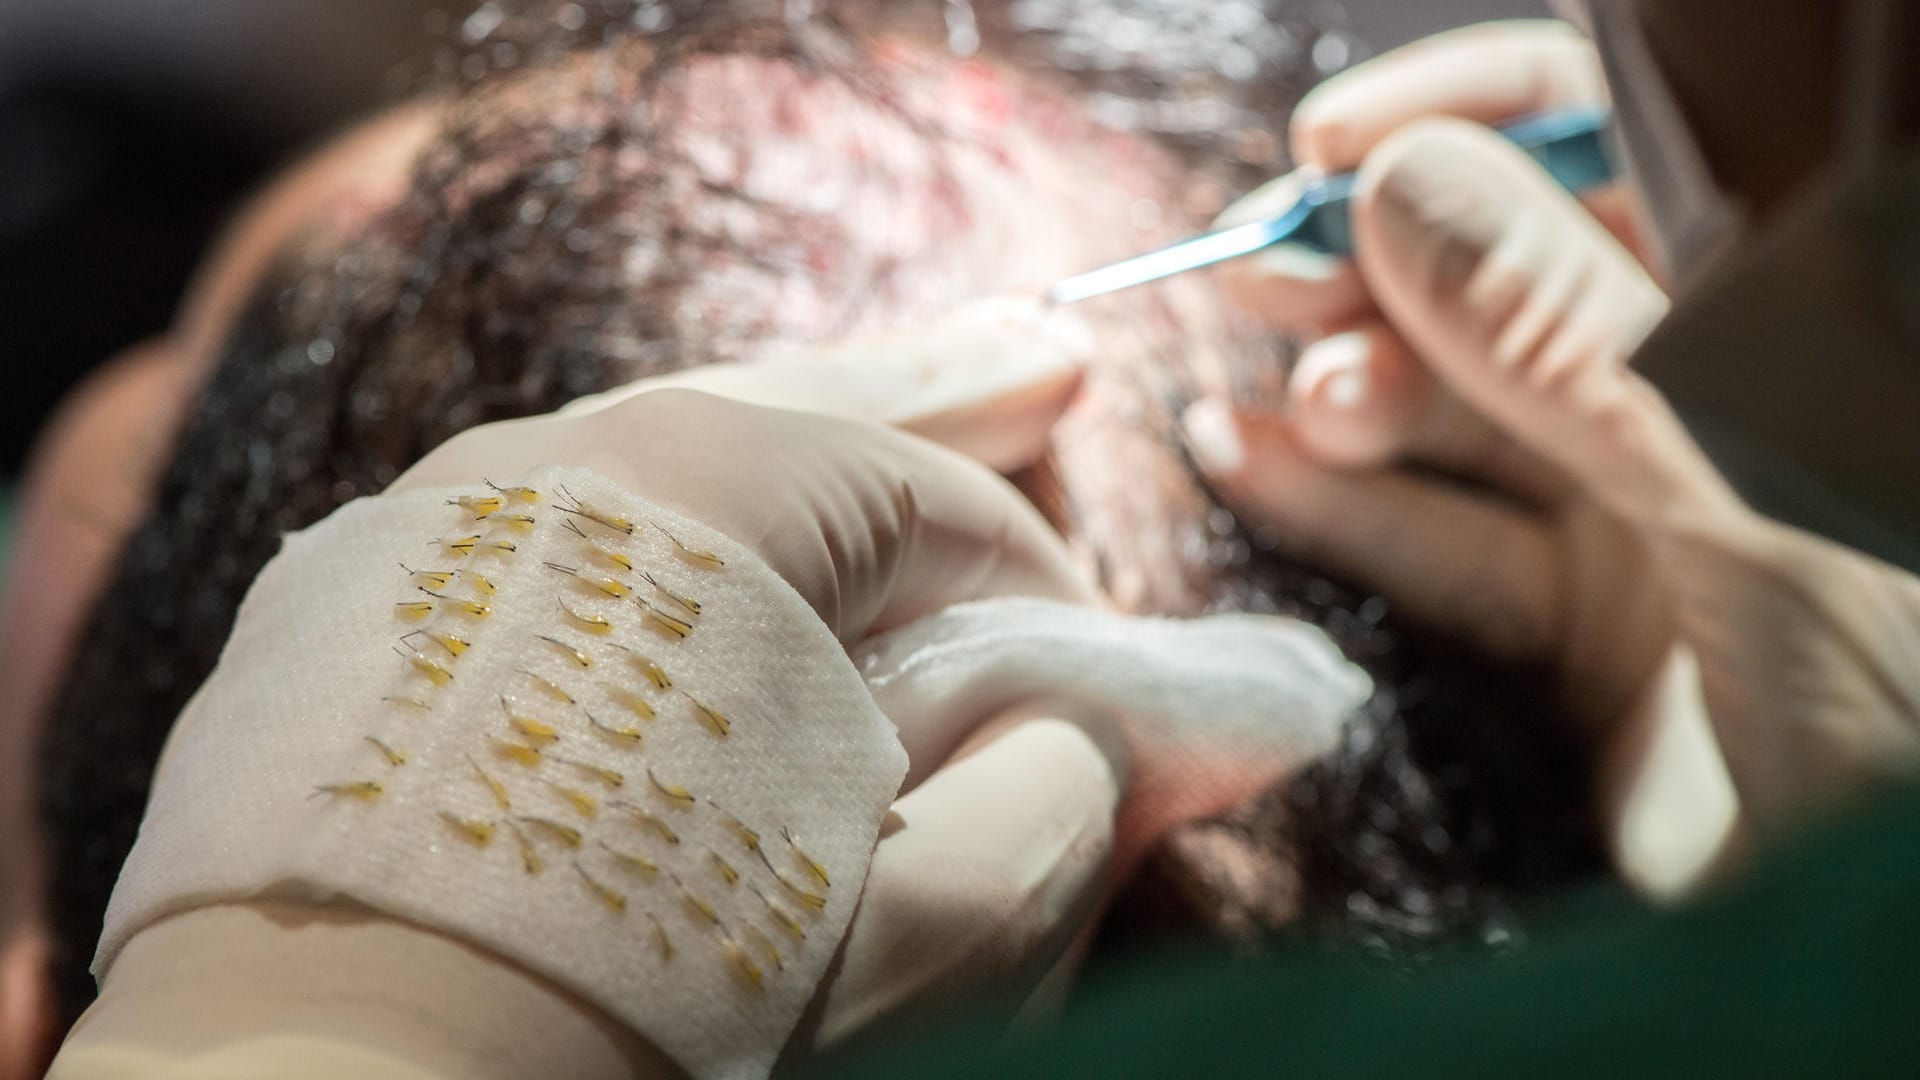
{"x":1569,"y":143}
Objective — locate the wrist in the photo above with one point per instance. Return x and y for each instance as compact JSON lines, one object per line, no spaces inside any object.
{"x":209,"y":981}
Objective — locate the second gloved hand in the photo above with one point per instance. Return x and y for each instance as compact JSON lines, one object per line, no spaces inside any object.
{"x":1482,"y":333}
{"x":1003,"y":850}
{"x":1487,"y":334}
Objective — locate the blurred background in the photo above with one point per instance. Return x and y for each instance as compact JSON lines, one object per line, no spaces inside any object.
{"x":130,"y":128}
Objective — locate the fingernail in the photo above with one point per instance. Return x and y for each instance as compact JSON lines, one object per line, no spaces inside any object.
{"x":1265,"y":201}
{"x":1294,"y":262}
{"x":1070,"y":333}
{"x":1213,"y":437}
{"x":1345,"y":389}
{"x":1066,"y":331}
{"x":1335,"y":371}
{"x":1314,"y":139}
{"x":1009,"y":311}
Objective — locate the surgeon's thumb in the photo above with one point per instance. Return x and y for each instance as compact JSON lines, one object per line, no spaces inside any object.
{"x":1527,"y":307}
{"x":984,"y":875}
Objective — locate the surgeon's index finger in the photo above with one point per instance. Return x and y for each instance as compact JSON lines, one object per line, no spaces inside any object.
{"x":984,"y":877}
{"x":988,"y":379}
{"x":1489,"y":73}
{"x":873,"y":527}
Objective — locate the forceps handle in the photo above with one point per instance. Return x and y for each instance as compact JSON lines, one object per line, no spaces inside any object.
{"x":1570,"y":144}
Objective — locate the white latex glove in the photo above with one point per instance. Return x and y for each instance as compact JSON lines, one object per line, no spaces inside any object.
{"x":984,"y":872}
{"x":1486,"y":331}
{"x":1481,"y":331}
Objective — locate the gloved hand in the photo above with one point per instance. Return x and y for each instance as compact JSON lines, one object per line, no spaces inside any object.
{"x":1481,"y":332}
{"x":987,"y":868}
{"x":873,"y":528}
{"x":1483,"y":306}
{"x":1003,"y":851}
{"x":1484,"y":331}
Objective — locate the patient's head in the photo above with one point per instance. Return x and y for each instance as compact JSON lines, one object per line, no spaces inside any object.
{"x":598,"y":203}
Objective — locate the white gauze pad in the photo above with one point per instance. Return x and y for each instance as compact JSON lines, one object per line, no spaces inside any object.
{"x":629,"y":757}
{"x":1217,"y":688}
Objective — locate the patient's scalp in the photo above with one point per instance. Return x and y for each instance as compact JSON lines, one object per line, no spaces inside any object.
{"x":589,"y":215}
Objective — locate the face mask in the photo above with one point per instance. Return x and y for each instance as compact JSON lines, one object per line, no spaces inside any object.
{"x":1691,"y":222}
